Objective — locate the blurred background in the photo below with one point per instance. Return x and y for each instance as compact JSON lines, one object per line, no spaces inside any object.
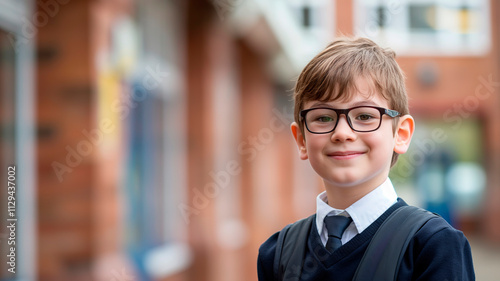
{"x":151,"y":137}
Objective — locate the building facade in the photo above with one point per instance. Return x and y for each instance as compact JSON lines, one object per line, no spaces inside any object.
{"x":154,"y":138}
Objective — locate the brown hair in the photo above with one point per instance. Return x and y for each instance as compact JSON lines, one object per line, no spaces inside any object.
{"x":332,"y":73}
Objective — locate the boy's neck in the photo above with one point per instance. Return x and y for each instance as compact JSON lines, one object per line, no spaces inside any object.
{"x":341,"y":197}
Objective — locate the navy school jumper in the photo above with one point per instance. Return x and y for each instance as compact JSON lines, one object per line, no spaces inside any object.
{"x":436,"y":252}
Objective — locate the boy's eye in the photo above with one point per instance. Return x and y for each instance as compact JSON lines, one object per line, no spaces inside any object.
{"x":364,"y":117}
{"x":324,"y":119}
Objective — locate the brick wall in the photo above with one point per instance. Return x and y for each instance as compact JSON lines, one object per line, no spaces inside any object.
{"x":64,"y":94}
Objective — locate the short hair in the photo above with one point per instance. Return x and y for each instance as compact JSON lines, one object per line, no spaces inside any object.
{"x":331,"y":76}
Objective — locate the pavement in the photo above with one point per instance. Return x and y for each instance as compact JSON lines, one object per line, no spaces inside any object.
{"x":486,"y":259}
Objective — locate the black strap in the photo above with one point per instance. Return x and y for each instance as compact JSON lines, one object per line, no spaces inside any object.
{"x":385,"y":252}
{"x":381,"y":259}
{"x":291,"y":248}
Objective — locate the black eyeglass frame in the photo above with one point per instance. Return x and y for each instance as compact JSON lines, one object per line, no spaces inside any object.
{"x":390,"y":112}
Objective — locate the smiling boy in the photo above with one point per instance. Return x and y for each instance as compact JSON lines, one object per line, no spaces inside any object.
{"x":351,"y":123}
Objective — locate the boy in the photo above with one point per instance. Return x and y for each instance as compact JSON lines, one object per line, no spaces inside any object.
{"x":351,"y":123}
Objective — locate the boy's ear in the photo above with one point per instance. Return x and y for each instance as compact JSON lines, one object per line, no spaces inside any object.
{"x":404,"y":132}
{"x":300,"y":140}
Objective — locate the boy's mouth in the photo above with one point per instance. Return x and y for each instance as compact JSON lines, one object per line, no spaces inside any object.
{"x":344,"y":155}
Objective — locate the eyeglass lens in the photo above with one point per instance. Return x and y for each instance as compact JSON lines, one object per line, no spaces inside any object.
{"x":322,"y":120}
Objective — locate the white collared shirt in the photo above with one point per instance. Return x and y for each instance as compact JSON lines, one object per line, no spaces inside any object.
{"x":363,"y":212}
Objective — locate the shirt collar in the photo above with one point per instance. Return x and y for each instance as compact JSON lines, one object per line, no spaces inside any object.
{"x":364,"y":211}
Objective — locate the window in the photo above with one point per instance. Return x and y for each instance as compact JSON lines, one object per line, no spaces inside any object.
{"x":421,"y":17}
{"x":312,"y":16}
{"x":426,"y":27}
{"x":154,"y":143}
{"x":443,"y":169}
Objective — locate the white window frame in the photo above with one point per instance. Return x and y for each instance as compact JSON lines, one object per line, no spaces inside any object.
{"x":442,"y":42}
{"x":12,"y":13}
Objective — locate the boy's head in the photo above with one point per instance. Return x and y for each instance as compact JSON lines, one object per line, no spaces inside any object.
{"x":333,"y":74}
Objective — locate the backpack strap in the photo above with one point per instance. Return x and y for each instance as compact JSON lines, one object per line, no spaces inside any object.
{"x":291,"y":248}
{"x":385,"y":252}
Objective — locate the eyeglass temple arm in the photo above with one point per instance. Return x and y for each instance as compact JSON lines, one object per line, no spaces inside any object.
{"x":392,"y":113}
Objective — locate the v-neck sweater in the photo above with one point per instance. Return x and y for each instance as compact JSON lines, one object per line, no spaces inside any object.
{"x":436,"y":252}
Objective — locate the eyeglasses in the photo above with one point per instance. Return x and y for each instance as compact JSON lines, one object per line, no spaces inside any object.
{"x":323,"y":120}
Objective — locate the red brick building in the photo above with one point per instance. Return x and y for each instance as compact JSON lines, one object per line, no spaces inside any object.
{"x":162,"y":147}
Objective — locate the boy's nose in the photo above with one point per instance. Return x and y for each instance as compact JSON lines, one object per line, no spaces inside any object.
{"x":343,"y":131}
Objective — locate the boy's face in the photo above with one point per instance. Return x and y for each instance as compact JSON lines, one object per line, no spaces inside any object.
{"x":346,"y":158}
